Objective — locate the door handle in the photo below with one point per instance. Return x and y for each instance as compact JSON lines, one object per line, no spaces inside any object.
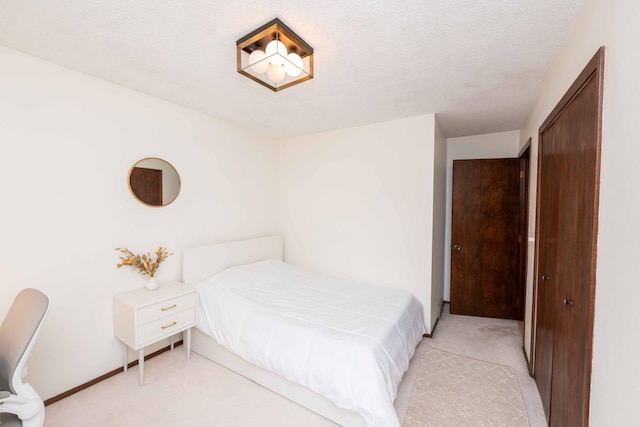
{"x":545,"y":277}
{"x":457,"y":247}
{"x":567,"y":301}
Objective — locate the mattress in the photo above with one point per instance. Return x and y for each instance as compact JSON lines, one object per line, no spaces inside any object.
{"x":347,"y":341}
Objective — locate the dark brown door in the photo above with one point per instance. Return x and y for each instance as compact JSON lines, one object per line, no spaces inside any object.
{"x":146,"y":184}
{"x":523,"y":226}
{"x":484,"y":238}
{"x":569,"y":153}
{"x":548,"y":243}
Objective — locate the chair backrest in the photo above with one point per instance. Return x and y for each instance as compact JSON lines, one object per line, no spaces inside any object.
{"x":18,"y":333}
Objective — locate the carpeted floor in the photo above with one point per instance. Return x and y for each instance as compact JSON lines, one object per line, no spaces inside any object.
{"x":456,"y":391}
{"x":202,"y":393}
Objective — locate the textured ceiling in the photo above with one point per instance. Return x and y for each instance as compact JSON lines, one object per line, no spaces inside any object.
{"x":478,"y":64}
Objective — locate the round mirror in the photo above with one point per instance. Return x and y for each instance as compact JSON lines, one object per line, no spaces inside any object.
{"x":154,"y":182}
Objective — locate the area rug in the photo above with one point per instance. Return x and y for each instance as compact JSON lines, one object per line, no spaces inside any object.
{"x":457,"y":391}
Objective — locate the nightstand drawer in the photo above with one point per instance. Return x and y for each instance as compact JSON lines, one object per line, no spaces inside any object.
{"x":166,"y":326}
{"x":165,"y":308}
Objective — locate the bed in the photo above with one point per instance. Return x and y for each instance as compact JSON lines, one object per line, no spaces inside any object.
{"x":336,"y":347}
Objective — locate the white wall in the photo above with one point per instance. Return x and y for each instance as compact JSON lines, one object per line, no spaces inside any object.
{"x":67,"y":142}
{"x":616,"y":371}
{"x":439,"y":221}
{"x":358,"y":203}
{"x":488,"y":146}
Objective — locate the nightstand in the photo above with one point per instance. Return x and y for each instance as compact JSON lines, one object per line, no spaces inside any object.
{"x":142,"y":317}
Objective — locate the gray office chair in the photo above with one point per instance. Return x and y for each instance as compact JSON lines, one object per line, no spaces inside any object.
{"x":20,"y":405}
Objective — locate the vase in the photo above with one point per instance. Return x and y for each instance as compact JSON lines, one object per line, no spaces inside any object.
{"x":152,"y":284}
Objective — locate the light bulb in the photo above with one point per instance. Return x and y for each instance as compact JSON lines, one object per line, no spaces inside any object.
{"x":276,"y":73}
{"x":276,"y":51}
{"x":293,"y":65}
{"x":259,"y":65}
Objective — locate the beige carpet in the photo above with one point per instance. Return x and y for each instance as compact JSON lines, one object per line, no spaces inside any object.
{"x":198,"y":393}
{"x":457,"y":391}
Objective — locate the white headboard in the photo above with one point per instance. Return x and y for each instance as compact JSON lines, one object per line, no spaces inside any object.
{"x":204,"y":261}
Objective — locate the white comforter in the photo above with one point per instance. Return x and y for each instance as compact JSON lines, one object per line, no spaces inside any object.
{"x":349,"y":342}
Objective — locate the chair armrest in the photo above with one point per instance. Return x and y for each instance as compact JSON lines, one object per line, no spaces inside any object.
{"x":22,"y":407}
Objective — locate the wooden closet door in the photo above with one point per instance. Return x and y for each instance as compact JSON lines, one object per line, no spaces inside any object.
{"x":576,"y":261}
{"x":569,"y":159}
{"x":548,"y":291}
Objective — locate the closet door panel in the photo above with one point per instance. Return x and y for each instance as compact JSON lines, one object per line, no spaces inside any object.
{"x":547,"y":264}
{"x":568,"y":173}
{"x":576,"y":256}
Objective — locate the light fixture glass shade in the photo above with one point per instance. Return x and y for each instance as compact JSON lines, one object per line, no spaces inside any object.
{"x":274,"y":56}
{"x":293,"y":65}
{"x":257,"y":61}
{"x":276,"y":51}
{"x":276,"y":73}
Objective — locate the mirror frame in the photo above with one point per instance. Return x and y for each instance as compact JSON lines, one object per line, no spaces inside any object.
{"x":134,"y":194}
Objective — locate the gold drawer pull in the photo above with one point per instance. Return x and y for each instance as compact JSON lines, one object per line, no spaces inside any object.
{"x":168,"y":308}
{"x":169,"y":325}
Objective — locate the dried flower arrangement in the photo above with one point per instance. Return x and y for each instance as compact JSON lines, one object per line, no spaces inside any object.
{"x":144,"y":263}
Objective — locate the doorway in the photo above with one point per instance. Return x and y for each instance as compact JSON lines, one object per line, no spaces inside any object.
{"x":523,"y":224}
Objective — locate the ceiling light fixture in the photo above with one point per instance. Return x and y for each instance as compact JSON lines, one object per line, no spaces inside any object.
{"x":274,"y":56}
